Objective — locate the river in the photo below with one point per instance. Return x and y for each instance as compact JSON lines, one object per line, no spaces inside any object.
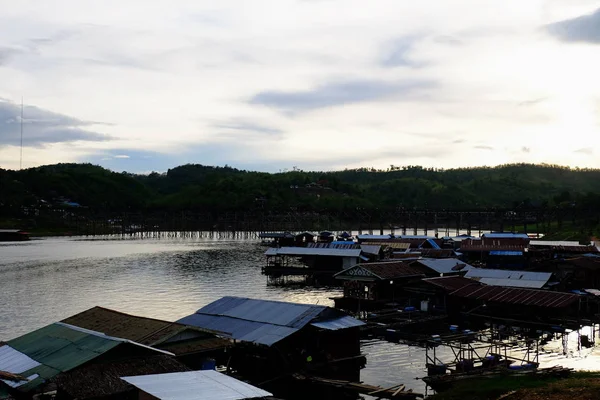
{"x":47,"y":280}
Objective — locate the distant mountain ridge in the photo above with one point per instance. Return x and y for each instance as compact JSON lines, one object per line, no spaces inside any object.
{"x":200,"y":187}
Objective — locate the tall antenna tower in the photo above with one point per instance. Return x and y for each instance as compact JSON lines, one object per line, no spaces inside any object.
{"x":21,"y":159}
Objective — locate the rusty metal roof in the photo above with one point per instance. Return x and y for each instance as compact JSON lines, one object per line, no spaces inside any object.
{"x":516,"y":296}
{"x":383,"y":270}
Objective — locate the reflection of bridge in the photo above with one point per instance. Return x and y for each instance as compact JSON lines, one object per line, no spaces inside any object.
{"x":400,"y":221}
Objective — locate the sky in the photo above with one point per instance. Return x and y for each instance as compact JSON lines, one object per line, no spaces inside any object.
{"x":146,"y":85}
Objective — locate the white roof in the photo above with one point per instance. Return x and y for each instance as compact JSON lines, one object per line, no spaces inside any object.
{"x":313,"y":251}
{"x":15,"y":362}
{"x":555,"y":243}
{"x":445,"y":265}
{"x":501,"y":277}
{"x":195,"y":385}
{"x":370,"y":248}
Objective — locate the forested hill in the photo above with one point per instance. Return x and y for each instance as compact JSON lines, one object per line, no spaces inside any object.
{"x":198,"y":187}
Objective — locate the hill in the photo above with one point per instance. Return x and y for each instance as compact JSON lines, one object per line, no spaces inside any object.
{"x":207,"y":188}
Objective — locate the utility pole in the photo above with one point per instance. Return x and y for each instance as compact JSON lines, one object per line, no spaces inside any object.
{"x":21,"y":158}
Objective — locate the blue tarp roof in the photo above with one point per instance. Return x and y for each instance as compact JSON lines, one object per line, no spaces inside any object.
{"x":433,"y":244}
{"x":264,"y":321}
{"x":506,"y":253}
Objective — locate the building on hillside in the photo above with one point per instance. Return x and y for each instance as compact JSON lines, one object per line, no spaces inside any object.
{"x":208,"y":385}
{"x":276,"y":337}
{"x":38,"y":357}
{"x":191,"y":345}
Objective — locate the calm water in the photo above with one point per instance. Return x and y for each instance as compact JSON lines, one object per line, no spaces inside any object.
{"x":43,"y":281}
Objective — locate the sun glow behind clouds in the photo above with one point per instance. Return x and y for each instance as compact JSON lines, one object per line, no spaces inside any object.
{"x":317,"y":84}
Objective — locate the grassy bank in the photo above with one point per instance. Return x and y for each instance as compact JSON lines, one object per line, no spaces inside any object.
{"x":579,"y":386}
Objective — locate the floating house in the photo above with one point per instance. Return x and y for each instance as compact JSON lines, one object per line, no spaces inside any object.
{"x":35,"y":360}
{"x":277,"y":239}
{"x":13,"y":235}
{"x":371,"y":286}
{"x":191,"y":345}
{"x":206,"y":385}
{"x":316,"y":258}
{"x":274,"y":337}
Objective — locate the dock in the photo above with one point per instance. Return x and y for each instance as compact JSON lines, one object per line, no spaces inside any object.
{"x":394,"y":392}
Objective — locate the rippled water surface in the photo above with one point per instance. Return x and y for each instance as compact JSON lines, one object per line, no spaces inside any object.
{"x":43,"y":281}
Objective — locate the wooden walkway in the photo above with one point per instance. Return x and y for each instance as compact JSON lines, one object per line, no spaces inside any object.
{"x":394,"y":392}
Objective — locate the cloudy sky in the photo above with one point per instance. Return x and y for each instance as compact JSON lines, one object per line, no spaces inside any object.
{"x":143,"y":85}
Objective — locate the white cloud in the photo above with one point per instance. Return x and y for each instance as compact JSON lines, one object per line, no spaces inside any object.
{"x":326,"y":84}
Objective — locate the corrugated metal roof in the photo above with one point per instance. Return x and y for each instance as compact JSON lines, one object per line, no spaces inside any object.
{"x":14,"y":361}
{"x":500,"y":277}
{"x":313,"y":251}
{"x":449,"y":283}
{"x":370,"y":249}
{"x":370,"y":237}
{"x":258,"y":321}
{"x":392,"y":244}
{"x":516,"y":296}
{"x":60,"y":347}
{"x":506,"y":253}
{"x":551,"y":243}
{"x":505,"y":235}
{"x":445,"y":265}
{"x":382,"y":270}
{"x":206,"y":385}
{"x":335,"y":324}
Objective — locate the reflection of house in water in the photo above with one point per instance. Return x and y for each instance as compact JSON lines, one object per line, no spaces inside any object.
{"x":277,"y":337}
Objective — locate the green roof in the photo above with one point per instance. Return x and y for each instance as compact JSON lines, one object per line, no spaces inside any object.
{"x":59,"y":348}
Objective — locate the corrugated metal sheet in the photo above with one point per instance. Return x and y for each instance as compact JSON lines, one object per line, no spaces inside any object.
{"x":313,"y":251}
{"x":381,"y":271}
{"x":433,"y":244}
{"x":550,"y":243}
{"x":370,"y":249}
{"x":505,"y":235}
{"x":392,"y":244}
{"x":206,"y":385}
{"x":449,"y":283}
{"x":445,"y":265}
{"x":14,"y":361}
{"x":500,"y":277}
{"x":60,"y":347}
{"x":338,"y":323}
{"x":516,"y":296}
{"x":507,"y":253}
{"x":258,"y":321}
{"x":371,"y":237}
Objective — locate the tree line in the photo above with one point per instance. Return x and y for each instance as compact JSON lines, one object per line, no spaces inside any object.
{"x":220,"y":189}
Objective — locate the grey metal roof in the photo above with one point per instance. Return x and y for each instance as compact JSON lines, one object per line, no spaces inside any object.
{"x":566,"y":243}
{"x":258,"y":321}
{"x":193,"y":385}
{"x":370,"y":248}
{"x":500,"y":277}
{"x":445,"y":265}
{"x":364,"y":237}
{"x":505,"y":235}
{"x":313,"y":251}
{"x":510,"y":253}
{"x":338,"y":323}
